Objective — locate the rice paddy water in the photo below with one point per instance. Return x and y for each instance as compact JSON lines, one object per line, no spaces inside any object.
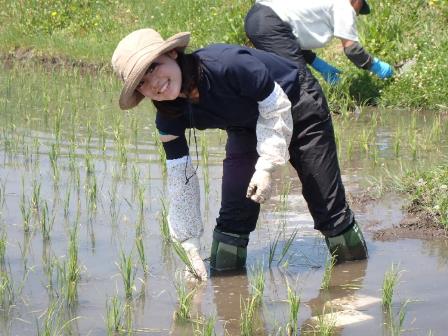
{"x":84,"y":246}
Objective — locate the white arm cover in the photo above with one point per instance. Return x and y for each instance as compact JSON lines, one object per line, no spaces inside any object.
{"x":184,"y":214}
{"x":274,"y":130}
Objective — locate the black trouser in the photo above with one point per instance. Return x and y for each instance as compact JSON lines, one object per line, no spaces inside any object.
{"x":312,"y":154}
{"x":268,"y":32}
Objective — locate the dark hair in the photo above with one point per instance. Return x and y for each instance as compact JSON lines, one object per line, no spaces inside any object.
{"x":191,"y":74}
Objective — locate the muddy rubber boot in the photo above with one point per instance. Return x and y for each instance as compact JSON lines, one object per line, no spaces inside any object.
{"x":229,"y":251}
{"x":350,"y":245}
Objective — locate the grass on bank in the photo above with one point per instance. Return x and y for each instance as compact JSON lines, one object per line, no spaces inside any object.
{"x":428,"y":192}
{"x":87,"y":31}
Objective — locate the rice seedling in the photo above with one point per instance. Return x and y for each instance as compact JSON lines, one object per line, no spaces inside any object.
{"x":257,"y":284}
{"x":128,"y":272}
{"x":73,"y":269}
{"x":2,"y":193}
{"x":89,"y":135}
{"x":46,"y":221}
{"x":162,"y":154}
{"x":273,"y":248}
{"x":53,"y":156}
{"x":205,"y":326}
{"x":58,"y":120}
{"x":90,"y":166}
{"x":115,"y":316}
{"x":7,"y":295}
{"x":141,"y":253}
{"x":326,"y":323}
{"x":92,"y":193}
{"x":395,"y":322}
{"x":141,"y":202}
{"x":35,"y":198}
{"x":53,"y":323}
{"x":67,"y":203}
{"x":135,"y":176}
{"x":163,"y":223}
{"x":185,"y":299}
{"x":247,"y":316}
{"x":287,"y":245}
{"x":3,"y":242}
{"x":286,"y":189}
{"x":68,"y":272}
{"x":183,"y":256}
{"x":25,"y":210}
{"x":329,"y":266}
{"x":389,"y":282}
{"x":397,"y":142}
{"x":292,"y":326}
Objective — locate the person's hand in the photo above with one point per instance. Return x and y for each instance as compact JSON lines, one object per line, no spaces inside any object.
{"x":259,"y":189}
{"x":329,"y":72}
{"x":382,"y":69}
{"x":191,"y":246}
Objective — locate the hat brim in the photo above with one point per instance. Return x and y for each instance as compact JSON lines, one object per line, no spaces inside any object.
{"x":365,"y":9}
{"x":129,"y":97}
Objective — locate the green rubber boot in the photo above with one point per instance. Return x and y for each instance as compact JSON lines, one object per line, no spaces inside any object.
{"x":350,"y":245}
{"x":229,"y":251}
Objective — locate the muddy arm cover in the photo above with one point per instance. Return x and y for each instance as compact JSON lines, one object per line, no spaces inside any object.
{"x":184,"y":214}
{"x":356,"y":53}
{"x":274,"y":130}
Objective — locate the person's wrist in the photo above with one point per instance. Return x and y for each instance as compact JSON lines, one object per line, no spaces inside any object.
{"x":375,"y":64}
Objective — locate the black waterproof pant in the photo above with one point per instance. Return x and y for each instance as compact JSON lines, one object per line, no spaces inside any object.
{"x":268,"y":32}
{"x":312,"y":154}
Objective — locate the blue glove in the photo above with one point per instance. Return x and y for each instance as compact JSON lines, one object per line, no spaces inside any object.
{"x":329,"y":72}
{"x":381,"y":69}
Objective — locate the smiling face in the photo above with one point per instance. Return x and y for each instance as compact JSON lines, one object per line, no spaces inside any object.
{"x":163,"y":79}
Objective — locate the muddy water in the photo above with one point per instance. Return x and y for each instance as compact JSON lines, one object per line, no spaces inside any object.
{"x":93,"y":145}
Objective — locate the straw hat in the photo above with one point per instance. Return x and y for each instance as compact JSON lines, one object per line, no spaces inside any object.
{"x":135,"y":53}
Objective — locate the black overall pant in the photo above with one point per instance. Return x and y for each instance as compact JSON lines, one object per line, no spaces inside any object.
{"x":312,"y":154}
{"x":268,"y":32}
